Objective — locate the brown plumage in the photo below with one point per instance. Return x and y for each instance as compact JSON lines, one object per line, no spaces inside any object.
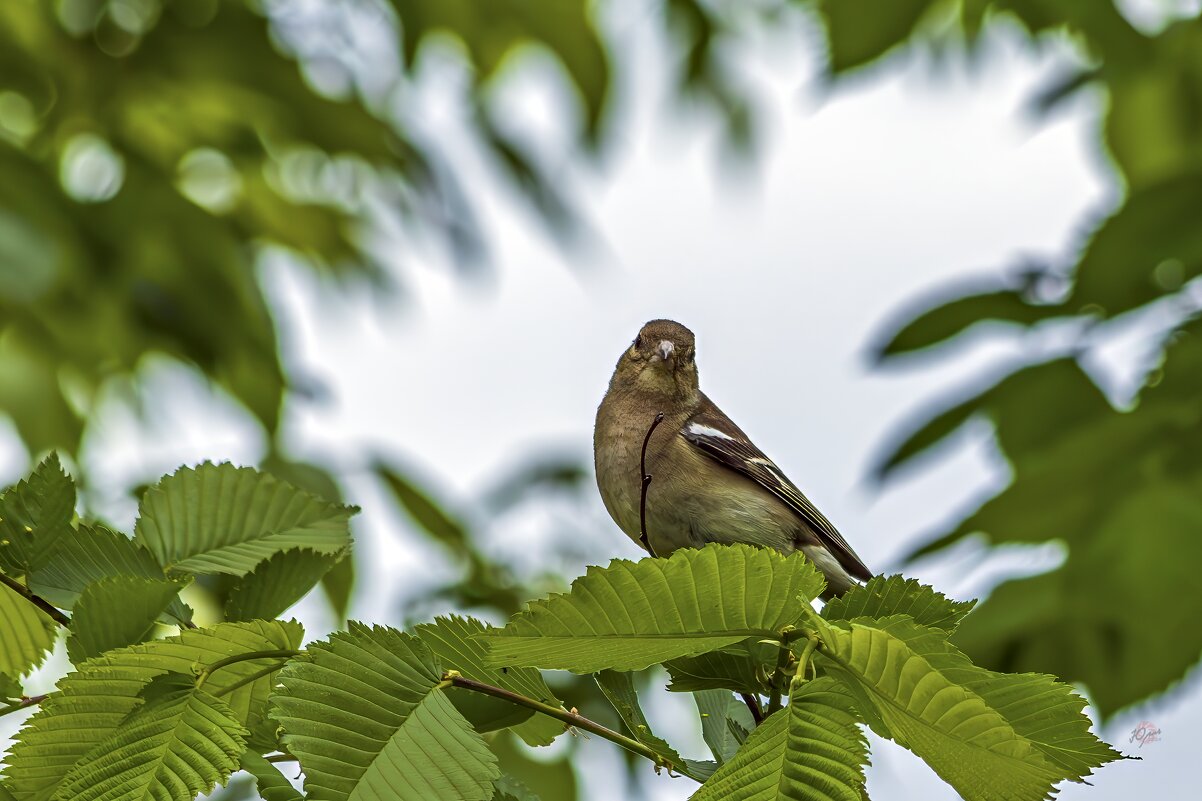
{"x":710,"y":483}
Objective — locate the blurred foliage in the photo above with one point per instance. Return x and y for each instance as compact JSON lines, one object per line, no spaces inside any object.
{"x":1117,"y":482}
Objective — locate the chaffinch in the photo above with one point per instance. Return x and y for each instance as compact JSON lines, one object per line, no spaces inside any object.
{"x":709,"y":483}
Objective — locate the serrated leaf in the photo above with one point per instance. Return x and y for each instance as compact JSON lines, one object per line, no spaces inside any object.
{"x":905,"y":697}
{"x":897,"y":595}
{"x":364,"y":713}
{"x":631,"y":615}
{"x":271,"y":784}
{"x":34,"y":514}
{"x":117,"y":611}
{"x":722,"y":715}
{"x":95,"y":700}
{"x":1047,"y":712}
{"x":276,"y":584}
{"x":744,"y":667}
{"x":26,"y":633}
{"x":226,"y":519}
{"x":181,"y":742}
{"x":454,"y":640}
{"x":811,"y":751}
{"x":91,"y":553}
{"x":619,"y":691}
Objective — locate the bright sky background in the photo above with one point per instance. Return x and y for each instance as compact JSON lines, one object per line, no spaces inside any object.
{"x":859,"y":204}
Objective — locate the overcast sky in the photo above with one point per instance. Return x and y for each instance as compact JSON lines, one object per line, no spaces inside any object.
{"x":859,"y":204}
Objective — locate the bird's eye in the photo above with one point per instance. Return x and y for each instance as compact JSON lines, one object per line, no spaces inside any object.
{"x":638,"y":342}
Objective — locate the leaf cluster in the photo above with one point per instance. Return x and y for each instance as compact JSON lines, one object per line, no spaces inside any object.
{"x":376,"y":713}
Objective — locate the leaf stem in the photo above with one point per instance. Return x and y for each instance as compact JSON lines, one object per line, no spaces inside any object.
{"x":753,"y":705}
{"x":41,"y":603}
{"x":778,"y":677}
{"x":803,"y":662}
{"x":454,"y":679}
{"x":24,"y":703}
{"x":205,"y":673}
{"x":659,"y":418}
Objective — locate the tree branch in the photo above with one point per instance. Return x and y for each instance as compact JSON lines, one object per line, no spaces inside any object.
{"x":41,"y":603}
{"x":454,"y":679}
{"x":24,"y":703}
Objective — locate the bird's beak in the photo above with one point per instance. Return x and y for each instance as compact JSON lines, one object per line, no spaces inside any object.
{"x":666,"y":349}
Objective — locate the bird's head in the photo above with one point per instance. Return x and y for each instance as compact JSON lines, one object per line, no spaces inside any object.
{"x":661,"y":361}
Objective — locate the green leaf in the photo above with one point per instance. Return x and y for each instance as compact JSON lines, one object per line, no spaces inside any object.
{"x":811,"y":751}
{"x":276,"y":584}
{"x":6,"y":794}
{"x":10,"y":688}
{"x":1047,"y":712}
{"x":725,"y":722}
{"x":1065,"y":395}
{"x":93,"y":702}
{"x":631,"y":615}
{"x":897,"y":595}
{"x":1157,"y":224}
{"x":1094,"y":619}
{"x":905,"y":697}
{"x":860,"y":31}
{"x":34,"y":514}
{"x":455,"y":642}
{"x":271,"y":783}
{"x":619,"y":690}
{"x":117,"y":611}
{"x":423,"y":510}
{"x":365,"y":714}
{"x":949,"y":319}
{"x":226,"y":519}
{"x":744,"y":667}
{"x":91,"y":553}
{"x":26,"y":633}
{"x":510,"y":789}
{"x":338,"y":584}
{"x":181,"y":742}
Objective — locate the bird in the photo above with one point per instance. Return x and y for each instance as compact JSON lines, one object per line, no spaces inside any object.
{"x":708,"y":481}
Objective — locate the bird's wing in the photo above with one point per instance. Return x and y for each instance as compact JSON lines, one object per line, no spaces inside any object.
{"x":715,"y":435}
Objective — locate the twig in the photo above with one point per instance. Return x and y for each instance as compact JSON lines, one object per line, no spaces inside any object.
{"x":24,"y":703}
{"x":41,"y":603}
{"x":453,"y":678}
{"x":659,"y":418}
{"x":753,"y":704}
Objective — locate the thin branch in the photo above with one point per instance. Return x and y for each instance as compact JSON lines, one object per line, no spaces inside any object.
{"x":41,"y":603}
{"x":453,"y":678}
{"x":659,"y":418}
{"x":753,"y":704}
{"x":283,"y":653}
{"x":24,"y":703}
